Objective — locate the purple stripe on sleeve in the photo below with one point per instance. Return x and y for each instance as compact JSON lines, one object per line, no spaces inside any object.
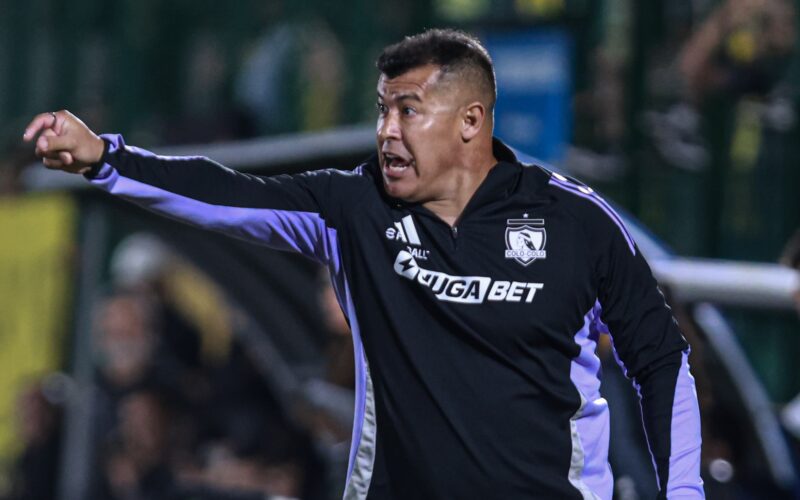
{"x":361,"y":390}
{"x":601,"y":326}
{"x":304,"y":232}
{"x":587,"y":191}
{"x":641,"y":411}
{"x":342,"y":290}
{"x":684,"y":456}
{"x":590,"y":468}
{"x":684,"y":479}
{"x":362,"y":447}
{"x":600,"y":203}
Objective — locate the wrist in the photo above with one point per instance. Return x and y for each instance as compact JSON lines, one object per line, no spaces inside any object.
{"x":98,"y":150}
{"x":95,"y":166}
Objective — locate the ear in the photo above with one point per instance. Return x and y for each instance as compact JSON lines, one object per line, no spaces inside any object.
{"x":472,"y":120}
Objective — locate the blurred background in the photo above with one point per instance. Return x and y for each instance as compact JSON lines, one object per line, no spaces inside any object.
{"x":141,"y":359}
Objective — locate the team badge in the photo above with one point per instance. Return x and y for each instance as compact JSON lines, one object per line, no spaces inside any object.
{"x":525,"y":240}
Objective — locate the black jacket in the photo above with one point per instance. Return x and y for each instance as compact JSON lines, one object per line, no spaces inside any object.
{"x":475,"y":345}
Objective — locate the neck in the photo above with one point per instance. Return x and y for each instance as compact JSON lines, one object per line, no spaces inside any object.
{"x":463,"y":184}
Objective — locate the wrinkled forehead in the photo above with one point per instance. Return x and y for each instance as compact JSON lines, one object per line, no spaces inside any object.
{"x":416,"y":82}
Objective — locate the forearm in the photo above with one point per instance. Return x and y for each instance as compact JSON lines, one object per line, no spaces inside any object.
{"x":671,"y":416}
{"x":203,"y":193}
{"x":654,"y":354}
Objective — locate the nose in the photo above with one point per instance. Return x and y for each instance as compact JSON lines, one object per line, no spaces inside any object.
{"x":388,"y":127}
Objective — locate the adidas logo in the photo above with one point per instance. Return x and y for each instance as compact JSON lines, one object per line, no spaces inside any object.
{"x":404,"y":231}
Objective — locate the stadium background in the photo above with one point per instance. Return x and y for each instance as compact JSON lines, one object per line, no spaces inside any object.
{"x":683,"y":112}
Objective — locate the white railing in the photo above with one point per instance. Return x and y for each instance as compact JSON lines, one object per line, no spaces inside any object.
{"x":729,"y":283}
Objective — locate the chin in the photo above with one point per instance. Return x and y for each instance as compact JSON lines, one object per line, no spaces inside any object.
{"x":400,"y":190}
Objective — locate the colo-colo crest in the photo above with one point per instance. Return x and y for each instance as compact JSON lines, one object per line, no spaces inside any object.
{"x":525,"y":240}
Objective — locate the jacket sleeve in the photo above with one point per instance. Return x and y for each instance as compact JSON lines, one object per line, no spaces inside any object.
{"x":286,"y":212}
{"x":653,"y":353}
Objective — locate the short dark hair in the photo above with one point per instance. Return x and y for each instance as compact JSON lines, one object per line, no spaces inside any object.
{"x":455,"y":52}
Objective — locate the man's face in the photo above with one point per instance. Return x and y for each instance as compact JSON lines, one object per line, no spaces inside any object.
{"x":418,"y":131}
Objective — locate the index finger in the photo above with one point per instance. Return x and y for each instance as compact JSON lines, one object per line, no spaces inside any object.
{"x":43,"y":120}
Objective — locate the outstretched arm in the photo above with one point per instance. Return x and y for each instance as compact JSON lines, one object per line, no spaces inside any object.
{"x":284,"y":212}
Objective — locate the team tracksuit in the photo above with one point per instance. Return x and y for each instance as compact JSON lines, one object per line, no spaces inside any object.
{"x":477,"y":376}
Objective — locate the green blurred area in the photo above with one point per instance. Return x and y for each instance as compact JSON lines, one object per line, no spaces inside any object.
{"x":132,"y":65}
{"x":137,"y":67}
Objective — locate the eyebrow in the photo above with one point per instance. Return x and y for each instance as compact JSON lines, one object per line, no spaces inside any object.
{"x":412,"y":96}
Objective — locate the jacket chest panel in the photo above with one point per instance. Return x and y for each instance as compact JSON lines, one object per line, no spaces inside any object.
{"x":526,"y":277}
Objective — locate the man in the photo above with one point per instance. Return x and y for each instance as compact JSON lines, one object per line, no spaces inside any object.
{"x":475,"y":287}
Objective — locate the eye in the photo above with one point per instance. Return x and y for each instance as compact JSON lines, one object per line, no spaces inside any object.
{"x":409,"y":111}
{"x":381,"y":107}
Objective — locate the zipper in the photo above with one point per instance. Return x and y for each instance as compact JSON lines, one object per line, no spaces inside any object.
{"x":454,"y":234}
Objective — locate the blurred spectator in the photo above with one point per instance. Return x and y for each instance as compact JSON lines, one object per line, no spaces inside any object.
{"x":206,"y":115}
{"x":181,"y":409}
{"x":600,"y":122}
{"x":126,"y":340}
{"x":130,"y":352}
{"x":293,"y":78}
{"x":321,"y":77}
{"x":326,"y":409}
{"x":276,"y":464}
{"x":131,"y":359}
{"x":36,"y":469}
{"x":137,"y":462}
{"x":141,"y":263}
{"x":742,"y":47}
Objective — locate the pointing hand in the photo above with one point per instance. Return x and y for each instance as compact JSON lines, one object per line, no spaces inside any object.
{"x":64,"y":142}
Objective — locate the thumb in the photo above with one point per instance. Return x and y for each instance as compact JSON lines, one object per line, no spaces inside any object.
{"x":65,"y":157}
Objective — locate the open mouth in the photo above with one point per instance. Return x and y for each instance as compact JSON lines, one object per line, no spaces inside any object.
{"x":395,"y":164}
